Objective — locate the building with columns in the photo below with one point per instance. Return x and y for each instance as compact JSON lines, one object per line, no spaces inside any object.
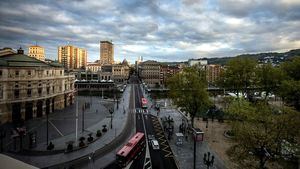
{"x":30,"y":88}
{"x":37,"y":52}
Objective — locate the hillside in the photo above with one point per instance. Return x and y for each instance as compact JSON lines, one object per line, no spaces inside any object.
{"x":277,"y":57}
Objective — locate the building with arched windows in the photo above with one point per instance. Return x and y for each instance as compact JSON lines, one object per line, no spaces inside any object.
{"x":30,"y":88}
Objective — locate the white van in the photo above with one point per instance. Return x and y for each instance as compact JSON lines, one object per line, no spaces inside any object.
{"x":155,"y":144}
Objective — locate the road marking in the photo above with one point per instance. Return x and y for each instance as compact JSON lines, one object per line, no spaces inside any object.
{"x":55,"y":128}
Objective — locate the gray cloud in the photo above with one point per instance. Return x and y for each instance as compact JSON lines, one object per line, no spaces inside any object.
{"x":156,"y":29}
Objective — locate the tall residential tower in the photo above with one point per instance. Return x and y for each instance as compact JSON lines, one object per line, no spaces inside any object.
{"x":72,"y":57}
{"x":106,"y":52}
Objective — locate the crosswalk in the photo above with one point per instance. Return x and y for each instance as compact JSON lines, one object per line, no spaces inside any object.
{"x":147,"y":164}
{"x":141,"y":111}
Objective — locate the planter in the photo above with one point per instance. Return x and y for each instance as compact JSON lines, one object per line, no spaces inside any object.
{"x":90,"y":138}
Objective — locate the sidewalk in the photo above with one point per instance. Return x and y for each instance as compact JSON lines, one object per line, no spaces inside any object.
{"x":119,"y":122}
{"x":184,"y":153}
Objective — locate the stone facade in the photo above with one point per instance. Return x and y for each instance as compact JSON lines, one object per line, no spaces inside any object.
{"x":30,"y":88}
{"x":149,"y":71}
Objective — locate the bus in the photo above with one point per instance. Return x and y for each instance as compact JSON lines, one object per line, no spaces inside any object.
{"x":128,"y":152}
{"x":144,"y":103}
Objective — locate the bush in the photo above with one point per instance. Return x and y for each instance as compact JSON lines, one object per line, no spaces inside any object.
{"x":98,"y":134}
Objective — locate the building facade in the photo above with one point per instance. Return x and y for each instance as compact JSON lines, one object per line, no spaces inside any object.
{"x":106,"y":52}
{"x":30,"y":88}
{"x":167,"y":71}
{"x":93,"y":66}
{"x":197,"y":62}
{"x":117,"y":74}
{"x":149,"y":71}
{"x":6,"y":51}
{"x":72,"y":57}
{"x":37,"y":52}
{"x":213,"y":73}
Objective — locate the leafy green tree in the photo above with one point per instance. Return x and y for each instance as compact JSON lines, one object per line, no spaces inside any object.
{"x":290,"y":88}
{"x":239,"y":74}
{"x":292,"y":68}
{"x":261,"y":130}
{"x":188,"y":90}
{"x":268,"y":78}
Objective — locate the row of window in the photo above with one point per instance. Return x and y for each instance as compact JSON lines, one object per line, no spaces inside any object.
{"x":39,"y":90}
{"x":29,"y":72}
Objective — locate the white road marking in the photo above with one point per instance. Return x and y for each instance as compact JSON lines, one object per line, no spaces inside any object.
{"x":55,"y":128}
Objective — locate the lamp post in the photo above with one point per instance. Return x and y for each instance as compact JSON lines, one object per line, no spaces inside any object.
{"x":207,"y":160}
{"x":111,"y":117}
{"x":198,"y":136}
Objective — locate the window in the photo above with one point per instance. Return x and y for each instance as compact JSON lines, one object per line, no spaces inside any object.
{"x":48,"y":90}
{"x":17,"y":73}
{"x":61,"y":72}
{"x":53,"y":89}
{"x":29,"y":73}
{"x":17,"y":93}
{"x":47,"y":72}
{"x":0,"y":73}
{"x":40,"y":91}
{"x":28,"y":92}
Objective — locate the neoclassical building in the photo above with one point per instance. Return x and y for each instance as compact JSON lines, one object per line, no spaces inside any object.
{"x":149,"y":72}
{"x":30,"y":88}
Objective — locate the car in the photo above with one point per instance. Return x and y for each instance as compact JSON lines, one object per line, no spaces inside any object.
{"x":155,"y":144}
{"x":151,"y":137}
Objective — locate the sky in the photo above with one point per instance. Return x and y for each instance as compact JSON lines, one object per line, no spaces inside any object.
{"x":162,"y":30}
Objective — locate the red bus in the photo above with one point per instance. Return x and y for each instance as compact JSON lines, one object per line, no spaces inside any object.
{"x":134,"y":146}
{"x":144,"y":103}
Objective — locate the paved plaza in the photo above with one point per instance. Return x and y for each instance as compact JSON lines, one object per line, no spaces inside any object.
{"x":95,"y":119}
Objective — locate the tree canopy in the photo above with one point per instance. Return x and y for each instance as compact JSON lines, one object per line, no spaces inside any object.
{"x":188,"y":90}
{"x":262,"y":129}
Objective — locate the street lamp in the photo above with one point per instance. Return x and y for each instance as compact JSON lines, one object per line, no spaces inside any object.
{"x":207,"y":160}
{"x":111,"y":117}
{"x":198,"y":136}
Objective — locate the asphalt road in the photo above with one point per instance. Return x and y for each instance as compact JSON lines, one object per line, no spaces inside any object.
{"x":160,"y":159}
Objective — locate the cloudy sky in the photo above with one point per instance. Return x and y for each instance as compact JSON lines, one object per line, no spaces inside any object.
{"x":164,"y":30}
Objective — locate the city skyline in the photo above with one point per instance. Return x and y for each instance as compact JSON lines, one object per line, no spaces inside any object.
{"x":156,"y":30}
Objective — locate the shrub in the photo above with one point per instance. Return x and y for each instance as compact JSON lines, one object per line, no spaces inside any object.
{"x":98,"y":134}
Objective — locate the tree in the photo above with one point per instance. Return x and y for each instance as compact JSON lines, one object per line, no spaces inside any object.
{"x":268,"y":78}
{"x":239,"y":74}
{"x":290,"y":88}
{"x":188,"y":91}
{"x":261,"y":129}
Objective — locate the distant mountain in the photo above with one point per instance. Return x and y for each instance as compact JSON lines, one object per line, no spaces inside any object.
{"x":275,"y":56}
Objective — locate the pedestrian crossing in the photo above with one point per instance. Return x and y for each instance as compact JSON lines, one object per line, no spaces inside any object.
{"x":162,"y":139}
{"x":147,"y":164}
{"x":140,"y":111}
